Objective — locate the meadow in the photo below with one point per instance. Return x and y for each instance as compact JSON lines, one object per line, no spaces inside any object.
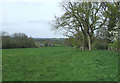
{"x":59,"y":64}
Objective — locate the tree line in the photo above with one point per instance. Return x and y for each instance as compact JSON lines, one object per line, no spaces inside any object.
{"x":90,"y":25}
{"x":16,"y":40}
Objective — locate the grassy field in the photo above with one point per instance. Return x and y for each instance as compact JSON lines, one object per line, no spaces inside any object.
{"x":59,"y":64}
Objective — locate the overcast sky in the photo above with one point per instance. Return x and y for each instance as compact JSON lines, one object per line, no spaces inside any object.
{"x":31,"y":18}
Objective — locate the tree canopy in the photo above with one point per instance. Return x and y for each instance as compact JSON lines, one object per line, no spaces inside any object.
{"x":85,"y":18}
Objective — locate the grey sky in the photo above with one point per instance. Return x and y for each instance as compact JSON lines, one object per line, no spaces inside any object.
{"x":31,"y":18}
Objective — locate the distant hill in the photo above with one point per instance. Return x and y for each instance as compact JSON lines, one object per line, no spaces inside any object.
{"x":49,"y":38}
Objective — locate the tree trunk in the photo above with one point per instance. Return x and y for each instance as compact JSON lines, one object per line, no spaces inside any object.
{"x":90,"y":42}
{"x":83,"y":45}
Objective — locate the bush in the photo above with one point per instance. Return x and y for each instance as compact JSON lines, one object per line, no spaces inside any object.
{"x":114,"y":46}
{"x":99,"y":44}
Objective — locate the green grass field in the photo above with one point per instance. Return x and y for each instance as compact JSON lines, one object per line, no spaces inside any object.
{"x":59,"y":64}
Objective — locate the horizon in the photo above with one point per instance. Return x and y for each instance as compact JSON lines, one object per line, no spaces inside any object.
{"x":33,"y":37}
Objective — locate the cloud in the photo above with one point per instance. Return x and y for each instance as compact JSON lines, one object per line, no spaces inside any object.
{"x":10,"y":24}
{"x":37,"y":21}
{"x":42,"y":1}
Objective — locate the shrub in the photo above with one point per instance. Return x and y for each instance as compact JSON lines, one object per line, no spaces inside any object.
{"x":114,"y":46}
{"x":99,"y":44}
